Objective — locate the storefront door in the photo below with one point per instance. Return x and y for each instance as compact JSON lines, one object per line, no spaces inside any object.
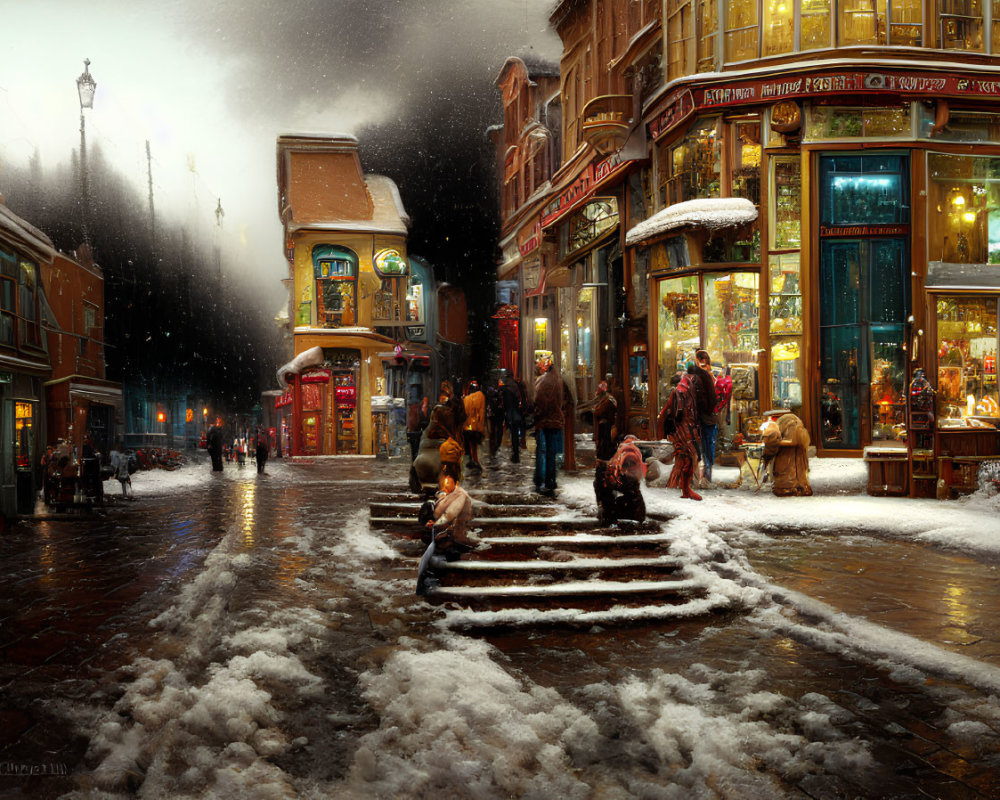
{"x":864,"y":301}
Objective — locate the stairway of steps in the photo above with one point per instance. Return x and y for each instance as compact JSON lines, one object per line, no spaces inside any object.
{"x":538,"y":562}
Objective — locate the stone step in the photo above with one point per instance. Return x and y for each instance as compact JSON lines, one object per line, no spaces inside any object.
{"x":589,"y":595}
{"x":540,"y":572}
{"x":492,"y":526}
{"x":404,"y":510}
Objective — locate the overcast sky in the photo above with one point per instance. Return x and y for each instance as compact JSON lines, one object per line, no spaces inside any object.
{"x":211,"y":83}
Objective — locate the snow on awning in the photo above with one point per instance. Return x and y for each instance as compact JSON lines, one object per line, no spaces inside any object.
{"x":312,"y":357}
{"x":713,"y":213}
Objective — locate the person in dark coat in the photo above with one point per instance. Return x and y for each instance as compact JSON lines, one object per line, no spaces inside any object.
{"x":215,"y":447}
{"x":494,"y":417}
{"x":605,"y":415}
{"x":261,"y":451}
{"x":549,"y":422}
{"x":513,"y":409}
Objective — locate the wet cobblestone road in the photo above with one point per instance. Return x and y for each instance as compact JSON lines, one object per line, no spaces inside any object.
{"x":77,"y":596}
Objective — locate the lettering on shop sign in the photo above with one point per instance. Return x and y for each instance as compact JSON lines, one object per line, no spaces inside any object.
{"x":582,"y":187}
{"x":864,"y":230}
{"x":680,"y":105}
{"x":528,"y":239}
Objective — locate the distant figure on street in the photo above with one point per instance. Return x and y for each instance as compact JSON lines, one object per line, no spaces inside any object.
{"x":513,"y":409}
{"x":494,"y":416}
{"x":475,"y":424}
{"x":215,"y":447}
{"x":118,"y":461}
{"x":261,"y":450}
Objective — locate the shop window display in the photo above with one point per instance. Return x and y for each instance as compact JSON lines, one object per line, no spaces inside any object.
{"x":962,"y":126}
{"x":960,"y":24}
{"x":864,"y":190}
{"x":833,"y":122}
{"x":785,"y":312}
{"x":679,"y":326}
{"x":690,"y":169}
{"x":963,"y":209}
{"x":786,"y":198}
{"x":967,"y":361}
{"x":335,"y":273}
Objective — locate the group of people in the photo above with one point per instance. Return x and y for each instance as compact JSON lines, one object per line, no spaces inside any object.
{"x":219,"y":450}
{"x":67,"y":478}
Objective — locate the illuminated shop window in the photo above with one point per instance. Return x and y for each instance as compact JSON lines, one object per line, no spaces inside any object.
{"x":779,"y":27}
{"x":967,"y":361}
{"x":742,"y":30}
{"x":834,"y":122}
{"x":707,"y":21}
{"x":690,"y":169}
{"x":680,"y":29}
{"x":960,"y":25}
{"x":963,"y":219}
{"x":335,"y":270}
{"x":23,"y":433}
{"x":678,"y":328}
{"x":415,"y":299}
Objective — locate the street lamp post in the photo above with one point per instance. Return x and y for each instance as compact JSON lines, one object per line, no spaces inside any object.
{"x":85,"y":86}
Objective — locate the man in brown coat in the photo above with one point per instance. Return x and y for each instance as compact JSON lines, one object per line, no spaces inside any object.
{"x":549,"y":422}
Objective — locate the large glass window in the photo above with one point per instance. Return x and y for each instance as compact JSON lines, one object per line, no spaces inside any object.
{"x":680,"y":27}
{"x":967,"y":360}
{"x":27,"y":305}
{"x":708,"y":32}
{"x":779,"y":27}
{"x":963,"y":219}
{"x":815,"y":24}
{"x":335,"y":270}
{"x":864,"y":190}
{"x":960,"y":25}
{"x":836,"y":122}
{"x":732,"y":317}
{"x":690,"y":168}
{"x":742,"y":23}
{"x":679,"y":324}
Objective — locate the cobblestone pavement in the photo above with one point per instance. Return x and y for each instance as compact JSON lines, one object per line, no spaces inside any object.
{"x":77,"y":596}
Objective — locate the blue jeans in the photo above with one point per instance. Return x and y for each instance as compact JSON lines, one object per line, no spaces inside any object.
{"x":708,"y":435}
{"x":545,"y":457}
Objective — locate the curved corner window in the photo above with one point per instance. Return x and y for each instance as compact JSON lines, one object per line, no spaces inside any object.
{"x":335,"y":270}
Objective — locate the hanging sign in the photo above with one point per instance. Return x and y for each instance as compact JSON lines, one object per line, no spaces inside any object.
{"x":389,"y":264}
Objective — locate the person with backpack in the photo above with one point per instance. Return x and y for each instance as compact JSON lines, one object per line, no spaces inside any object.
{"x":679,"y":421}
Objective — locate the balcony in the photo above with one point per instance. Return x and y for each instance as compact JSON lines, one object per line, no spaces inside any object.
{"x":606,"y":122}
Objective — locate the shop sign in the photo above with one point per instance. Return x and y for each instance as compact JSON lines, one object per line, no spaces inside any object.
{"x":532,"y":271}
{"x":529,"y":239}
{"x":317,"y":376}
{"x":345,"y":395}
{"x":580,"y":189}
{"x":389,"y":264}
{"x":864,"y":230}
{"x":680,"y":105}
{"x":921,"y":85}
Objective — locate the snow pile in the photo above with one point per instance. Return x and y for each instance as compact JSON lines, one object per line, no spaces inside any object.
{"x":715,"y":734}
{"x":453,"y":717}
{"x":713,"y":213}
{"x":213,"y":708}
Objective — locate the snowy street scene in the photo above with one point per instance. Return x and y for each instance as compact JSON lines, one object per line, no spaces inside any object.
{"x":244,"y":635}
{"x":500,"y":400}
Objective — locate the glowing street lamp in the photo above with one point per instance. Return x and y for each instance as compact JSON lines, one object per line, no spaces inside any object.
{"x":86,"y":86}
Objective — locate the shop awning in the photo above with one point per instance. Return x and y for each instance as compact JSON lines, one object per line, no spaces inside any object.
{"x":312,"y":357}
{"x":944,"y":275}
{"x":713,"y":213}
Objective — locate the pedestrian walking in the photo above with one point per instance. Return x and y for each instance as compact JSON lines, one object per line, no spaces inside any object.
{"x":261,"y":450}
{"x":474,"y":429}
{"x":118,"y":461}
{"x":707,"y":418}
{"x":513,"y":409}
{"x":494,"y":416}
{"x":549,"y":422}
{"x":417,"y":414}
{"x":215,"y":447}
{"x":678,"y":421}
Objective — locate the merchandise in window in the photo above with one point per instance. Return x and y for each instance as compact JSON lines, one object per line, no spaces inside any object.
{"x":732,"y":317}
{"x":335,"y":274}
{"x":967,"y":362}
{"x":786,"y":211}
{"x":832,"y":122}
{"x":690,"y":169}
{"x":679,"y":325}
{"x":963,"y":209}
{"x":960,"y":25}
